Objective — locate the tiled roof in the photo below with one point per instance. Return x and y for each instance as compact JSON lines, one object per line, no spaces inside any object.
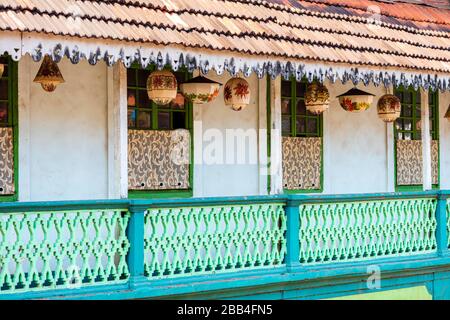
{"x":413,"y":35}
{"x":413,"y":13}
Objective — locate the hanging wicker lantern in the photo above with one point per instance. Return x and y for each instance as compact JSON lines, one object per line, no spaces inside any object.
{"x":49,"y":75}
{"x":356,"y":100}
{"x":389,"y":108}
{"x":200,"y":90}
{"x":237,"y":94}
{"x":447,"y":114}
{"x":317,"y":98}
{"x":162,"y":87}
{"x":2,"y":68}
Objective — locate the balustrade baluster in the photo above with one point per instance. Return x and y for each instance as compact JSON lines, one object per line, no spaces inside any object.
{"x":441,"y":227}
{"x":292,"y":235}
{"x":135,"y":234}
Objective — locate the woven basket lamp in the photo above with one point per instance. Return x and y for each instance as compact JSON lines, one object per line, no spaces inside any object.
{"x":162,"y":87}
{"x":49,"y":75}
{"x":200,"y":90}
{"x":317,"y":98}
{"x":389,"y":108}
{"x":237,"y":94}
{"x":356,"y":100}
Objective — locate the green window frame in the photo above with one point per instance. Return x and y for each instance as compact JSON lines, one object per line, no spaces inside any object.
{"x":297,"y":121}
{"x":9,"y":105}
{"x":406,"y":126}
{"x":144,"y":114}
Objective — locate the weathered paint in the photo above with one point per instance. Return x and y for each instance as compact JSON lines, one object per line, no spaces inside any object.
{"x":65,"y":134}
{"x":228,"y":178}
{"x":325,"y":280}
{"x":355,"y":155}
{"x":77,"y":143}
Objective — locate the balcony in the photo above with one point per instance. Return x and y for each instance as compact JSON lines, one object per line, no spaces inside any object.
{"x":275,"y":247}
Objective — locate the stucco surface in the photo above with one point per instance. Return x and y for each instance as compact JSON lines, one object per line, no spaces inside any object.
{"x":355,"y":153}
{"x":68,"y":135}
{"x":66,"y":153}
{"x":225,"y":170}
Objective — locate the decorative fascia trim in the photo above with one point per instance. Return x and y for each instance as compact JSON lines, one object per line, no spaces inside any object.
{"x":18,"y":44}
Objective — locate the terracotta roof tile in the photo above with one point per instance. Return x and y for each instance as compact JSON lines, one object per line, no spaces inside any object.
{"x":413,"y":36}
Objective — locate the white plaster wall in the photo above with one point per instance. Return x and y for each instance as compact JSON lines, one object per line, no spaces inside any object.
{"x":227,"y":179}
{"x":66,"y":147}
{"x":444,"y":137}
{"x":355,"y":147}
{"x":63,"y":147}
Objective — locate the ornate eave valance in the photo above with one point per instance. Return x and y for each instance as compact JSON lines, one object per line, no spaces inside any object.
{"x":18,"y":44}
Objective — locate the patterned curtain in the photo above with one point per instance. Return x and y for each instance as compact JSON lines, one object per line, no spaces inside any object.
{"x":158,"y":160}
{"x":6,"y":162}
{"x":302,"y":163}
{"x":409,"y":162}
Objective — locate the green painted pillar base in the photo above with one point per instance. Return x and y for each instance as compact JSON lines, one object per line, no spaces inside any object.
{"x":441,"y":286}
{"x":137,"y":281}
{"x":135,"y":258}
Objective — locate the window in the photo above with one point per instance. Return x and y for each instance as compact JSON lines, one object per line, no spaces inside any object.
{"x":302,"y":141}
{"x":145,"y":114}
{"x":6,"y":93}
{"x":296,"y":120}
{"x":154,"y":139}
{"x":408,"y":126}
{"x":8,"y":130}
{"x":408,"y":139}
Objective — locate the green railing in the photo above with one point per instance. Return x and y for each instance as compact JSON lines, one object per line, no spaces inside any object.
{"x":62,"y":249}
{"x":204,"y":240}
{"x":134,"y":244}
{"x":348,"y":231}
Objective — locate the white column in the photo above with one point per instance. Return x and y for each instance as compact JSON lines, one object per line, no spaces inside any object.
{"x":276,"y":157}
{"x":426,"y":140}
{"x":262,"y":136}
{"x":444,"y":141}
{"x":25,"y":79}
{"x":390,"y":155}
{"x":117,"y":132}
{"x":198,"y":151}
{"x":197,"y":117}
{"x":326,"y":149}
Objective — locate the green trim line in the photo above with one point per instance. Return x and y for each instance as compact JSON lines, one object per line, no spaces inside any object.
{"x":165,"y":194}
{"x":270,"y":284}
{"x":13,"y":121}
{"x":416,"y":134}
{"x":305,"y":191}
